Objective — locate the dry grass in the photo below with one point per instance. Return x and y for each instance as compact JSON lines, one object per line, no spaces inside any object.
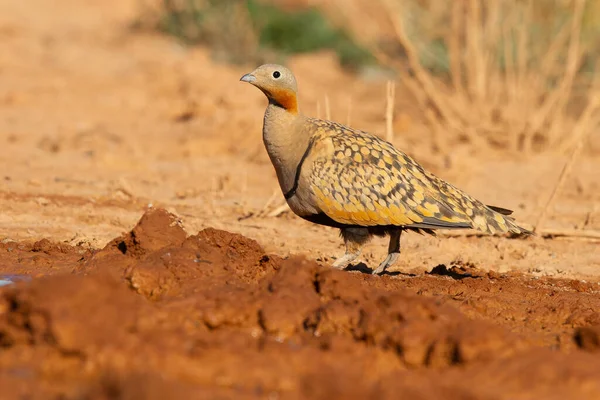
{"x":389,"y":110}
{"x":506,"y":85}
{"x":580,"y":134}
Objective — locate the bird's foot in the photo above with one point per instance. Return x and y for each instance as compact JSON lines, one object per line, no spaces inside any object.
{"x":345,"y":260}
{"x":389,"y":260}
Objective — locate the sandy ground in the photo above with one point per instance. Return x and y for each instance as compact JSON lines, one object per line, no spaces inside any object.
{"x":99,"y":123}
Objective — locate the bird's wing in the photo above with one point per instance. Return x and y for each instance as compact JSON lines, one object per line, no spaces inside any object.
{"x":359,"y":179}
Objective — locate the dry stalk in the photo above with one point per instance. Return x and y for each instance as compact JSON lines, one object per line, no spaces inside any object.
{"x":581,"y":131}
{"x":279,"y":210}
{"x":213,"y":195}
{"x":265,"y":209}
{"x":571,"y":233}
{"x":327,"y":109}
{"x":588,"y":217}
{"x":421,"y":75}
{"x":125,"y":188}
{"x":454,"y":47}
{"x":560,"y":96}
{"x":349,"y":115}
{"x":243,"y":199}
{"x":475,"y":68}
{"x":389,"y":110}
{"x":575,"y":234}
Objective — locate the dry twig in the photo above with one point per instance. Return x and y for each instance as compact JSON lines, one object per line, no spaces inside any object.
{"x":571,"y":233}
{"x":575,"y":234}
{"x":265,"y":209}
{"x":279,"y":210}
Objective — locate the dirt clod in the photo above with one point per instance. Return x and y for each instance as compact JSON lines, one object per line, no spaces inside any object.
{"x":588,"y":338}
{"x":212,"y":315}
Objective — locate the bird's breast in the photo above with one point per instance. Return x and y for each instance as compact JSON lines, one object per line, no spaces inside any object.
{"x":302,"y":203}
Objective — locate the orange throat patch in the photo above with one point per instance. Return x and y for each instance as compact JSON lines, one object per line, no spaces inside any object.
{"x":286,"y":99}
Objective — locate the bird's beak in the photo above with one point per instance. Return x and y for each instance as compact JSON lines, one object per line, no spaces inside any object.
{"x":248,"y":78}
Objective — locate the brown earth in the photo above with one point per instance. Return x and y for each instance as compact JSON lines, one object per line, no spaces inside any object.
{"x":157,"y":313}
{"x":101,"y":124}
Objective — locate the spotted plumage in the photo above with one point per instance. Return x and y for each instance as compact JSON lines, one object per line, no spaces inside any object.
{"x":341,"y":177}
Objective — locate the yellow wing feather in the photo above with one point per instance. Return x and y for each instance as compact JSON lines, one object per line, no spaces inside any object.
{"x":365,"y":181}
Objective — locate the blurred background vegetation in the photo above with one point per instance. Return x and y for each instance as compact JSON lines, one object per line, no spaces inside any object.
{"x":517,"y":74}
{"x":252,"y":31}
{"x":247,"y":31}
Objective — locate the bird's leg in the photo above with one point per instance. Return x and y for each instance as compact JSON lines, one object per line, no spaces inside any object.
{"x":354,"y":239}
{"x":393,"y":252}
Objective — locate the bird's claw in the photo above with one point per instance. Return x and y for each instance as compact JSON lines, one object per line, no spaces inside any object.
{"x":389,"y":260}
{"x":345,"y":260}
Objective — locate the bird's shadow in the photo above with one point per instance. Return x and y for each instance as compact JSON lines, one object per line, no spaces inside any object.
{"x":364,"y":269}
{"x":360,"y":267}
{"x":454,"y":272}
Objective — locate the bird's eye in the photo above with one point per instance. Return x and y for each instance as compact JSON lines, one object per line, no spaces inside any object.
{"x":276,"y":74}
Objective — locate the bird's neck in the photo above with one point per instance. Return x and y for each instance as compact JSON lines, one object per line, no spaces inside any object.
{"x":286,"y":142}
{"x":285,"y":99}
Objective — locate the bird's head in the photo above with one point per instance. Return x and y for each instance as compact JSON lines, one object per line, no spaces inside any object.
{"x":277,"y":83}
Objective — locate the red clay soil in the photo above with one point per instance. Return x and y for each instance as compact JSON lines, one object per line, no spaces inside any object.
{"x":99,"y":121}
{"x":159,"y":314}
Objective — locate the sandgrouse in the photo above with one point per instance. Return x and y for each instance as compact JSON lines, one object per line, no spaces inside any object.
{"x":345,"y":178}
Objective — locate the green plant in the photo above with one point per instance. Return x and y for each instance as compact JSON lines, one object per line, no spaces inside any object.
{"x":247,"y":31}
{"x":303,"y":31}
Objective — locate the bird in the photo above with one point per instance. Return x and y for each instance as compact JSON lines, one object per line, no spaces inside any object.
{"x":333,"y":175}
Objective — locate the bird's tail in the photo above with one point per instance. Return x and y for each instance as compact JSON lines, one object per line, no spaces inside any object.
{"x":493,"y":220}
{"x":490,"y":219}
